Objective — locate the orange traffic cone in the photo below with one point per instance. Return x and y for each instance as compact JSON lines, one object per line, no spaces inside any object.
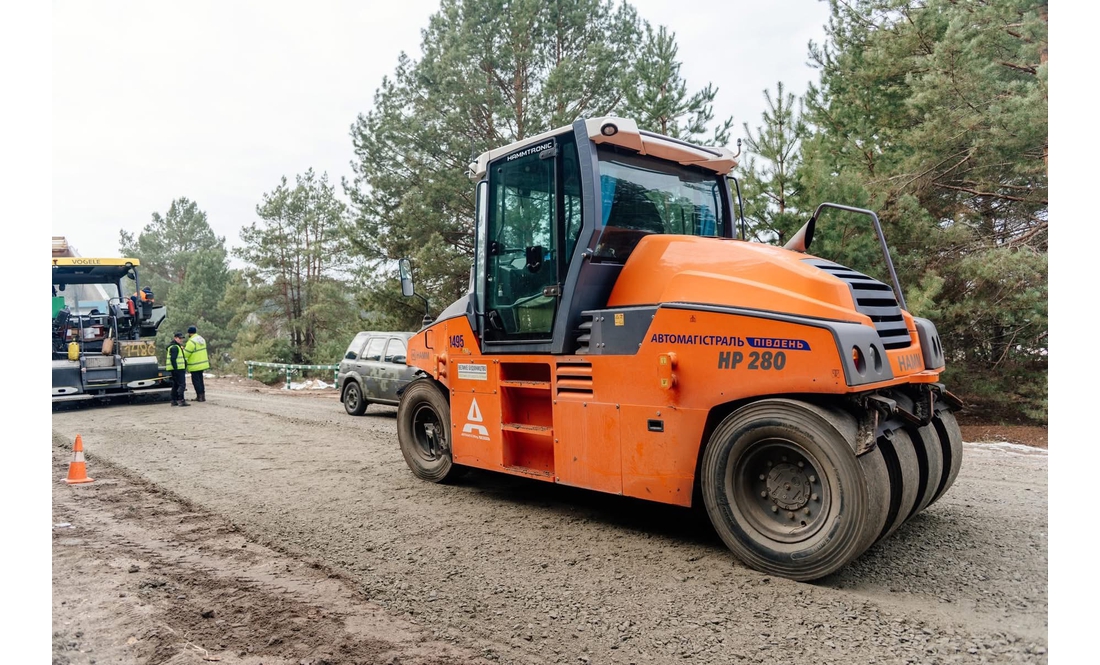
{"x":77,"y":472}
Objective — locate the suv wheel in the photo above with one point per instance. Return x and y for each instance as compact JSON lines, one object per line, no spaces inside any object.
{"x":354,"y":403}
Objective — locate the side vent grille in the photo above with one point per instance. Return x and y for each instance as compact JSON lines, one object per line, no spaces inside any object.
{"x":584,"y":333}
{"x":874,"y":299}
{"x":574,"y":380}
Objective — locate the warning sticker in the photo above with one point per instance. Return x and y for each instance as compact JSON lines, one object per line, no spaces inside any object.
{"x":473,"y":372}
{"x":474,"y":427}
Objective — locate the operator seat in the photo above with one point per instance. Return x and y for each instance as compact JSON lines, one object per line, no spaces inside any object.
{"x":632,"y":217}
{"x":632,"y":209}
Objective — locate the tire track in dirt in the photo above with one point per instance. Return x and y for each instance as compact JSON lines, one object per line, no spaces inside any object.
{"x":166,"y":583}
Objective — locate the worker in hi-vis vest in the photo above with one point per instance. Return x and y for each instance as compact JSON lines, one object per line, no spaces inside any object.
{"x":177,"y":365}
{"x":194,"y":352}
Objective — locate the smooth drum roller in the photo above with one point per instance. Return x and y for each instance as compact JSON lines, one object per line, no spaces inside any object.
{"x":786,"y":492}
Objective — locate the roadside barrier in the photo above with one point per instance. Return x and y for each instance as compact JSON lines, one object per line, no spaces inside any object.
{"x":77,"y":471}
{"x":291,"y":369}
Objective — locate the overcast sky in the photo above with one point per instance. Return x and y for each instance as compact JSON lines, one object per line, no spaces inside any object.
{"x":216,"y":101}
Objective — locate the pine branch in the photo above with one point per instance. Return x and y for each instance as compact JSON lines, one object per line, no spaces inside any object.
{"x":1022,"y":240}
{"x":1020,"y":68}
{"x":994,"y":195}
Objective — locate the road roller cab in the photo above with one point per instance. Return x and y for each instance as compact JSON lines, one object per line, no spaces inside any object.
{"x":619,"y":336}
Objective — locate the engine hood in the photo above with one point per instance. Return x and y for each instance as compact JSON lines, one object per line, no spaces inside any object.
{"x":719,"y":271}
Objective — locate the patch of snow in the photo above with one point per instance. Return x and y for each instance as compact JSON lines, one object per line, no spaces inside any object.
{"x":310,"y":384}
{"x":1010,"y":448}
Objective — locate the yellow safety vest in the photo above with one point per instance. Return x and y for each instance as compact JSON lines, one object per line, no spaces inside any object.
{"x":195,"y":354}
{"x":181,"y":362}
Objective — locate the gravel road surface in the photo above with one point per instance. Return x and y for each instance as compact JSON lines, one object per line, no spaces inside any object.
{"x":514,"y":570}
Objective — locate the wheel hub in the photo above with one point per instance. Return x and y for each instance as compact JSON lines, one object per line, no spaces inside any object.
{"x":778,"y":489}
{"x":788,"y":486}
{"x":428,"y":433}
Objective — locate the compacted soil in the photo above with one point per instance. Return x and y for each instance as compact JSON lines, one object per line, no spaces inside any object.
{"x":268,"y":526}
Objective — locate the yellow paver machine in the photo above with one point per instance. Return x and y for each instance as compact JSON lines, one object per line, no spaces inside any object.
{"x":103,"y":338}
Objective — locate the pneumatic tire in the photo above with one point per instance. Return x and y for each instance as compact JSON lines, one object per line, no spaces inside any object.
{"x":424,"y":432}
{"x":901,"y":459}
{"x":930,"y":459}
{"x":950,"y":438}
{"x":785,"y":490}
{"x":353,"y":400}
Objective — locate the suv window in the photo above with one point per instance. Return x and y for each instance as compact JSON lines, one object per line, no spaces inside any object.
{"x":374,"y":348}
{"x":356,"y":346}
{"x":395,"y":352}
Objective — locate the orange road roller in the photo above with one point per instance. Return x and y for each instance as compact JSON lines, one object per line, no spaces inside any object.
{"x":621,"y":335}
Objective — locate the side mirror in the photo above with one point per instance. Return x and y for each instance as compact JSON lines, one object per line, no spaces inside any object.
{"x":407,"y":287}
{"x":406,"y":278}
{"x":800,"y":242}
{"x":399,"y":360}
{"x":350,"y":355}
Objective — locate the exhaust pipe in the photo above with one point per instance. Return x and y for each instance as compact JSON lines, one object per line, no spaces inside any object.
{"x":801,"y":240}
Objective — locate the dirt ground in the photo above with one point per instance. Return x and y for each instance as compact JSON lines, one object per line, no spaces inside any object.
{"x":974,"y":428}
{"x":1036,"y":437}
{"x":268,"y":526}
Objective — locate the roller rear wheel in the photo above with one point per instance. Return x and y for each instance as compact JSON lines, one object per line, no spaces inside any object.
{"x":950,"y":440}
{"x":930,"y":460}
{"x":904,"y":469}
{"x":785,"y":491}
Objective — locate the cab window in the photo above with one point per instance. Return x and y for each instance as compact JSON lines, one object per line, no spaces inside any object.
{"x":642,"y":196}
{"x":521,"y":252}
{"x":571,"y":197}
{"x":533,"y":222}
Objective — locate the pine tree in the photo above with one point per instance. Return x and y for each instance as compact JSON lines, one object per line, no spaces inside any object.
{"x":490,"y":72}
{"x":187,"y":267}
{"x":658,"y":99}
{"x":934,"y":112}
{"x":770,"y":183}
{"x":297,"y":254}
